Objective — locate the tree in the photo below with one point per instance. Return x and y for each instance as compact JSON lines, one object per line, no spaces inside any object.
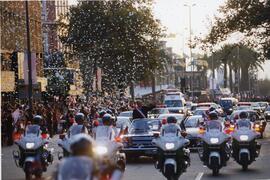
{"x":120,"y":37}
{"x":250,"y":17}
{"x":239,"y":58}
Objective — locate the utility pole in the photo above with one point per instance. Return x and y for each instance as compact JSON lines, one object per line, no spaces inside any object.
{"x":30,"y":84}
{"x":190,"y":49}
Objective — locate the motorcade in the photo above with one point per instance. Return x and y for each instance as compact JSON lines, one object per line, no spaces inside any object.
{"x":154,"y":113}
{"x":33,"y":156}
{"x":245,"y":148}
{"x":138,"y":141}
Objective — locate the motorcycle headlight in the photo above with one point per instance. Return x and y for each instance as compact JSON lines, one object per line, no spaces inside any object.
{"x":243,"y":137}
{"x":169,"y":146}
{"x":101,"y":150}
{"x":214,"y":140}
{"x":30,"y":145}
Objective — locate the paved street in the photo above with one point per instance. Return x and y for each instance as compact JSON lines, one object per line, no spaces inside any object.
{"x":144,"y":169}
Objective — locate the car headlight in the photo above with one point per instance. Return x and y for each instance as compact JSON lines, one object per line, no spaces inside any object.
{"x":101,"y":150}
{"x":30,"y":145}
{"x":230,"y":109}
{"x":214,"y":140}
{"x":169,"y":146}
{"x":243,"y":137}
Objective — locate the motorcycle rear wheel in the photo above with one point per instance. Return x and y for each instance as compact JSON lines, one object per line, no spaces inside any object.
{"x":215,"y":171}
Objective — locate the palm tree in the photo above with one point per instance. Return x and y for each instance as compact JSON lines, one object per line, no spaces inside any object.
{"x":239,"y":58}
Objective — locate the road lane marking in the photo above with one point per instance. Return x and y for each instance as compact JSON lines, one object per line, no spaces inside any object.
{"x":199,"y":176}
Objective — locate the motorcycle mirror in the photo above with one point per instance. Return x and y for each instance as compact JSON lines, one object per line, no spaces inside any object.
{"x":183,"y":133}
{"x":156,"y":135}
{"x":61,"y":136}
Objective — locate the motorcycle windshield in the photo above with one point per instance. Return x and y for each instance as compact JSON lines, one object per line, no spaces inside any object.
{"x":170,"y":130}
{"x":76,"y":129}
{"x":76,"y":168}
{"x":32,"y":129}
{"x":214,"y":125}
{"x":243,"y":124}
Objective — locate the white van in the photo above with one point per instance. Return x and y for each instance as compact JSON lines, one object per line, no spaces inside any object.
{"x":174,"y":99}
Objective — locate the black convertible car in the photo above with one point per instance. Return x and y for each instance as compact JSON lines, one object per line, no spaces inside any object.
{"x":138,"y":141}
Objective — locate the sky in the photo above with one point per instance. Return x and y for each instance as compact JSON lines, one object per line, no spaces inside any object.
{"x":174,"y":16}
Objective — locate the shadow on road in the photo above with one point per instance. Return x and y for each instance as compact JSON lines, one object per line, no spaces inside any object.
{"x":141,"y":160}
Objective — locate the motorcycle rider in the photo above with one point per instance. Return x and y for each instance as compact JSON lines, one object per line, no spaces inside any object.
{"x":172,"y":127}
{"x":35,"y":128}
{"x":106,"y":130}
{"x":215,"y":123}
{"x":81,"y":164}
{"x":244,"y":121}
{"x":79,"y":119}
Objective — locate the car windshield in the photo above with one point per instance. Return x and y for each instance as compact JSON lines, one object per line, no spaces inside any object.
{"x":263,"y":104}
{"x":179,"y":117}
{"x":125,"y":114}
{"x":122,"y":123}
{"x":243,"y":107}
{"x":226,"y":103}
{"x":32,"y":129}
{"x":199,"y":112}
{"x":145,"y":125}
{"x":192,"y":122}
{"x":157,"y":111}
{"x":267,"y":109}
{"x":255,"y":105}
{"x":173,"y":103}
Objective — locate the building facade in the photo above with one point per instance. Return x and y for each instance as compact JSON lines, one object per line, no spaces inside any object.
{"x":14,"y":46}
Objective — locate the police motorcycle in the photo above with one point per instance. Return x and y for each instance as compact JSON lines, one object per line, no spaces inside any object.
{"x":173,"y":157}
{"x":65,"y":139}
{"x":245,"y":148}
{"x":33,"y":156}
{"x":107,"y":149}
{"x":215,"y":150}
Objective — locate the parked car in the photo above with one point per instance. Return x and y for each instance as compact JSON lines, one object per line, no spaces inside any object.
{"x":154,"y":113}
{"x":138,"y":141}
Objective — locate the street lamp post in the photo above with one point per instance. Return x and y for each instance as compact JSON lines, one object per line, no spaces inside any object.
{"x":30,"y":84}
{"x":190,"y":49}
